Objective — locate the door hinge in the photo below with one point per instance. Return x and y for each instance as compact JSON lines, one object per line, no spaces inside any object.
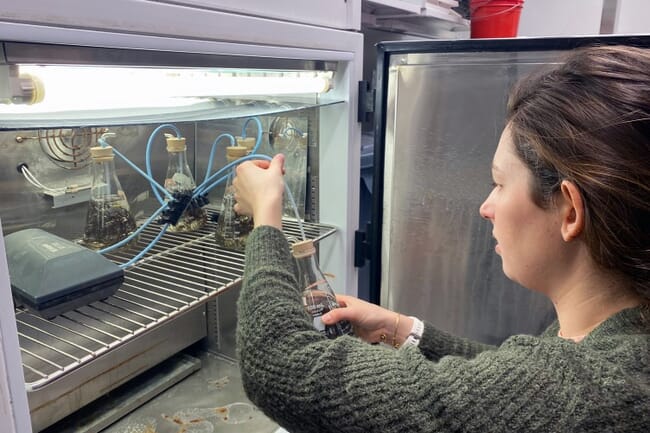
{"x":366,"y":102}
{"x":361,"y":247}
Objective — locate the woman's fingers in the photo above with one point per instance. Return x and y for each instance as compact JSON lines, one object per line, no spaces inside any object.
{"x":352,"y":309}
{"x":337,"y":315}
{"x":261,"y":163}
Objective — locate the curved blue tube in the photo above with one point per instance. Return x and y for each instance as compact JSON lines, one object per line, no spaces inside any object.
{"x":214,"y":148}
{"x":147,"y":157}
{"x":291,"y":128}
{"x":146,"y":249}
{"x":102,"y":140}
{"x":202,"y":189}
{"x":295,"y":211}
{"x":128,"y":239}
{"x":258,"y":141}
{"x":205,"y":186}
{"x":217,"y":182}
{"x":152,"y":182}
{"x":245,"y":158}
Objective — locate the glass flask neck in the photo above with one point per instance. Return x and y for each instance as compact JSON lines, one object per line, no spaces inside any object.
{"x":179,"y":176}
{"x":177,"y":162}
{"x":309,"y":272}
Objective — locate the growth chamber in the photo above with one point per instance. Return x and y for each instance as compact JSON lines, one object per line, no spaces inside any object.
{"x":101,"y":127}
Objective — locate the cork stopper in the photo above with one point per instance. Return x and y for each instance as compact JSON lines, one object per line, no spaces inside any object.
{"x":175,"y":144}
{"x":304,"y":248}
{"x":247,"y":142}
{"x":235,"y":152}
{"x":102,"y":153}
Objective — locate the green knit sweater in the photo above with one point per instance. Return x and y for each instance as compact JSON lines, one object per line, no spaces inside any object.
{"x":308,"y":383}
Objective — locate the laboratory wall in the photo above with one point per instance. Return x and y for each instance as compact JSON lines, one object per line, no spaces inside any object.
{"x":560,"y":17}
{"x":584,"y":17}
{"x":632,"y":16}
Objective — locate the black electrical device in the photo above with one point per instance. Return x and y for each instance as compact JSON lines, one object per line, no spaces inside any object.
{"x":51,"y":275}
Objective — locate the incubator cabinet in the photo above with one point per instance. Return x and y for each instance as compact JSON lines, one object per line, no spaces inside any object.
{"x":153,"y":106}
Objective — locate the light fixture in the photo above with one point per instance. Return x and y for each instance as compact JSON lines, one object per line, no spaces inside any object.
{"x":98,"y":88}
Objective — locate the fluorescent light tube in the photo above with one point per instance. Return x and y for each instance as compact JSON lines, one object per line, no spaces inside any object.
{"x":98,"y":88}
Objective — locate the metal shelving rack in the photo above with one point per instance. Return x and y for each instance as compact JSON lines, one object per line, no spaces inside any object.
{"x":182,"y":271}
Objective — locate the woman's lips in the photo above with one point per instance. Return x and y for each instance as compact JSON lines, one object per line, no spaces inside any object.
{"x":497,"y":249}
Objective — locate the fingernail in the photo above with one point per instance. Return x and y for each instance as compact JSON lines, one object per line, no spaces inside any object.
{"x":326,"y":317}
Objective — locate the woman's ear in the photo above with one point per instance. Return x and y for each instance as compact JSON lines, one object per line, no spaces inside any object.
{"x":572,"y":211}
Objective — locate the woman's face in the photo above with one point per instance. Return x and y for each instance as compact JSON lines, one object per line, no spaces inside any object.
{"x":528,"y":237}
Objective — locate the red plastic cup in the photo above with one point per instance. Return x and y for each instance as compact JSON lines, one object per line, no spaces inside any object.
{"x":494,"y":18}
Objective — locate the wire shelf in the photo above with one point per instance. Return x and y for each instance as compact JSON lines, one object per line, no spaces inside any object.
{"x":182,"y":271}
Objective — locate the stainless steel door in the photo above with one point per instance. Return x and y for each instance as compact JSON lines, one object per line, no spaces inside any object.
{"x":444,"y":115}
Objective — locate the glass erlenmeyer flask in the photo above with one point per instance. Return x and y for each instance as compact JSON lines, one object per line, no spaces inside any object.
{"x":180,"y":182}
{"x":109,"y":218}
{"x":288,"y":135}
{"x":317,"y":296}
{"x":232,"y":228}
{"x":295,"y":166}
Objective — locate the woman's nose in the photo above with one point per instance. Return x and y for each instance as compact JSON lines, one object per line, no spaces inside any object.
{"x":486,"y":210}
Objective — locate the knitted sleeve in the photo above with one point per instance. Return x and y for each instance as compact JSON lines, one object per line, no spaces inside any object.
{"x":308,"y":383}
{"x":435,"y":344}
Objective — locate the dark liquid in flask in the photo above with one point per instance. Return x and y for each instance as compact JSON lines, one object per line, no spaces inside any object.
{"x":317,"y":303}
{"x":106,"y":224}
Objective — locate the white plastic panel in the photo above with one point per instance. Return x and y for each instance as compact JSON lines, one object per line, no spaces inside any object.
{"x":129,"y":22}
{"x":413,"y":6}
{"x":13,"y":400}
{"x":340,"y":14}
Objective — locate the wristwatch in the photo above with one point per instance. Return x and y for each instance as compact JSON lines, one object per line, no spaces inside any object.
{"x":414,"y":336}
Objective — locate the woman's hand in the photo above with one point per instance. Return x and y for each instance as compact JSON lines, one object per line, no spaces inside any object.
{"x":370,"y":321}
{"x":259,"y":187}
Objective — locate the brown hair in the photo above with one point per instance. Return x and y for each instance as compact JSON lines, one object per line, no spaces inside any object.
{"x":587,"y":120}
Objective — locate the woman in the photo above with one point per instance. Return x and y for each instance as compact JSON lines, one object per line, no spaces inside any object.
{"x":570,"y":210}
